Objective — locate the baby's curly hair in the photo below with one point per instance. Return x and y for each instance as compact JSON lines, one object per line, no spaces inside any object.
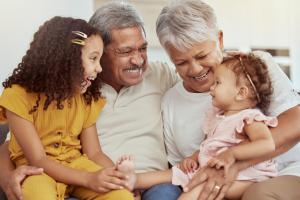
{"x":253,"y":66}
{"x":52,"y":65}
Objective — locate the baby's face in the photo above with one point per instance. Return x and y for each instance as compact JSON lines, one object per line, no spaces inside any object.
{"x":224,"y":89}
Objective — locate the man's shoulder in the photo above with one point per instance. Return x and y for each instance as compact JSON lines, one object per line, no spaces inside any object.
{"x":159,"y":67}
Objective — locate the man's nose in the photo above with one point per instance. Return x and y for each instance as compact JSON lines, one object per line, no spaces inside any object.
{"x":137,"y":58}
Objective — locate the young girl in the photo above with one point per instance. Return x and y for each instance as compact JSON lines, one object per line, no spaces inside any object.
{"x":236,"y":129}
{"x":51,"y":102}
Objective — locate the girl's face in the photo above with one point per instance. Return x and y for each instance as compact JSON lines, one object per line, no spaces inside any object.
{"x":91,"y":53}
{"x":195,"y":64}
{"x":224,"y":90}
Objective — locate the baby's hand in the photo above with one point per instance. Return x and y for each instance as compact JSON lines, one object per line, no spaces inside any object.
{"x":188,"y":165}
{"x":224,"y":160}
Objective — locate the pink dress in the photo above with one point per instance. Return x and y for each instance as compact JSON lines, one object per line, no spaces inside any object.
{"x":223,"y":132}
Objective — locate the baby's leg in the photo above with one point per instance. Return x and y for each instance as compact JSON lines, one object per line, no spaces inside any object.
{"x":237,"y":189}
{"x":193,"y":194}
{"x":125,"y":164}
{"x":39,"y":187}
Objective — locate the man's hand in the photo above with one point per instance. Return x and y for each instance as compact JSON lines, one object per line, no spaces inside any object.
{"x":224,"y":160}
{"x":12,"y":186}
{"x":215,"y":183}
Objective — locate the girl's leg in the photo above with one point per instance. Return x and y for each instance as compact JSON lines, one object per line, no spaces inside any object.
{"x":84,"y":193}
{"x":42,"y":186}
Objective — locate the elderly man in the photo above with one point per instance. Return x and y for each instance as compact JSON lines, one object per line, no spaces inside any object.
{"x":131,"y":121}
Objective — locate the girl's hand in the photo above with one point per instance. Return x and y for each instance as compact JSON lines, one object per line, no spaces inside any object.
{"x":223,"y":160}
{"x":188,"y":165}
{"x":106,"y":180}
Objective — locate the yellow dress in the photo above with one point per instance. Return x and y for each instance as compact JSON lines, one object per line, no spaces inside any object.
{"x":59,"y":132}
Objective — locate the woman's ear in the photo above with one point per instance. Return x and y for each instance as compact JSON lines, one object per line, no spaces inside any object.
{"x":220,"y":39}
{"x":242,"y":93}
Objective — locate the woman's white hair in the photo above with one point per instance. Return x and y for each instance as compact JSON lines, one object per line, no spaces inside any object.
{"x":185,"y":23}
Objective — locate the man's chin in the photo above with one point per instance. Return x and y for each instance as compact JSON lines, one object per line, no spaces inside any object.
{"x":134,"y":82}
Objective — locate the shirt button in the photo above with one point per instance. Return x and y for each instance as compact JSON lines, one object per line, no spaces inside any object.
{"x":56,"y":145}
{"x":59,"y":133}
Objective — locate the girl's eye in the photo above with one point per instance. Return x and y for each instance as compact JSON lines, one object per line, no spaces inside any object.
{"x":94,"y":58}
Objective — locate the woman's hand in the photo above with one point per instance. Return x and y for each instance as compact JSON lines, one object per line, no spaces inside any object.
{"x":12,"y":185}
{"x":215,"y":183}
{"x":106,"y":179}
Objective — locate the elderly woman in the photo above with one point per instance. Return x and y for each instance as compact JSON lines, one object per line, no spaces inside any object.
{"x":188,"y":31}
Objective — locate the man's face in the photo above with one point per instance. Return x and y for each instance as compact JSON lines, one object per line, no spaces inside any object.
{"x":195,"y":65}
{"x":124,"y":60}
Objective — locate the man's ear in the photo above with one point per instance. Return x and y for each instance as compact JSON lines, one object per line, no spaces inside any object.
{"x":242,"y":93}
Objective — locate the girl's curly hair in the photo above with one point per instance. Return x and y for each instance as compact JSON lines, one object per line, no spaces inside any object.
{"x":257,"y":70}
{"x":52,"y":65}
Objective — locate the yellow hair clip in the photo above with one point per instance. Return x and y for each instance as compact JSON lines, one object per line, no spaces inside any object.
{"x":79,"y":41}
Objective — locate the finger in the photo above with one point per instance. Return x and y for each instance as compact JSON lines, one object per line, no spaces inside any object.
{"x":212,"y":162}
{"x":186,"y":166}
{"x":119,"y":175}
{"x":16,"y":190}
{"x":219,"y":165}
{"x":208,"y":187}
{"x":222,"y":193}
{"x":214,"y":192}
{"x":30,"y":170}
{"x":111,"y":186}
{"x":196,"y":180}
{"x":102,"y":190}
{"x":194,"y":166}
{"x":117,"y":181}
{"x":12,"y":196}
{"x":190,"y":167}
{"x":226,"y":170}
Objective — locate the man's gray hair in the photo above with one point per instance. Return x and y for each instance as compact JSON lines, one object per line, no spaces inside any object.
{"x":185,"y":23}
{"x":115,"y":15}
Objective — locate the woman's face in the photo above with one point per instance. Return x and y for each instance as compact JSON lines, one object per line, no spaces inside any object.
{"x":195,"y":65}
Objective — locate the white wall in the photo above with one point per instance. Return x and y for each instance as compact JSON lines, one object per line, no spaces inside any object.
{"x":246,"y":24}
{"x":20,"y":19}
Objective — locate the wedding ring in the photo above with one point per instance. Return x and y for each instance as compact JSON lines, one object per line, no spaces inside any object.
{"x":217,"y":187}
